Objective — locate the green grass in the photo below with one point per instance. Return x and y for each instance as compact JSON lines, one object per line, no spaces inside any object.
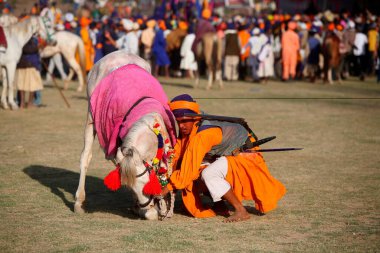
{"x":332,"y":198}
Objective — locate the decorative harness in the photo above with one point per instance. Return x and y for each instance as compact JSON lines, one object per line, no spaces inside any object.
{"x":49,"y":35}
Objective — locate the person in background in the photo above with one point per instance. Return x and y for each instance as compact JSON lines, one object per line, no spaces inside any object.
{"x":254,"y":46}
{"x":147,"y":37}
{"x":312,"y":63}
{"x":360,"y":43}
{"x":88,"y":42}
{"x":373,"y":44}
{"x":232,"y":53}
{"x":96,"y":35}
{"x":109,"y":36}
{"x":174,"y":41}
{"x":27,"y":77}
{"x":244,"y":36}
{"x":129,"y":42}
{"x":290,"y":46}
{"x":159,"y":50}
{"x":188,"y":62}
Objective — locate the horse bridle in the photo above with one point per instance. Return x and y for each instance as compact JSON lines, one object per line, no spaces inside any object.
{"x":147,"y":169}
{"x":48,"y":35}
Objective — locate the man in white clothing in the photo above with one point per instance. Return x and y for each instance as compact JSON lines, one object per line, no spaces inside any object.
{"x":129,"y":42}
{"x":360,"y":50}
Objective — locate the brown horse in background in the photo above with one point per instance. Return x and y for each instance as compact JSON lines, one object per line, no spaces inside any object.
{"x":210,"y":50}
{"x":331,"y":57}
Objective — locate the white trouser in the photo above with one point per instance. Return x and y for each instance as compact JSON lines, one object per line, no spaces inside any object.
{"x":214,"y":177}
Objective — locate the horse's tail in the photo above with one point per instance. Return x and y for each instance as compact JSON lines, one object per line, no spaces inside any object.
{"x":82,"y":57}
{"x":128,"y":166}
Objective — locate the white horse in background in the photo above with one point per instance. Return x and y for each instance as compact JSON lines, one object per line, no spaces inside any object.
{"x":67,"y":44}
{"x":140,"y":143}
{"x":8,"y":19}
{"x":17,"y":36}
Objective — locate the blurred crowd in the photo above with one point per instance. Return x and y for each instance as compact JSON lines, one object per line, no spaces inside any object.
{"x":326,"y":46}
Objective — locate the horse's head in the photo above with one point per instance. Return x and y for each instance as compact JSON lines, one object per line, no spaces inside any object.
{"x":143,"y":150}
{"x":44,"y":28}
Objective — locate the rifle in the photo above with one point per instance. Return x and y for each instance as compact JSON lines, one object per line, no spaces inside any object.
{"x":237,"y":120}
{"x":246,"y":148}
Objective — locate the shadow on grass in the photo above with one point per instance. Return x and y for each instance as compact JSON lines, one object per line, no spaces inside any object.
{"x":98,"y":197}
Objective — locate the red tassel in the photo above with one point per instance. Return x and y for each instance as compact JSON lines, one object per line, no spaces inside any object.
{"x":112,"y":180}
{"x":162,"y":170}
{"x":167,"y":141}
{"x":157,"y":125}
{"x":153,"y":187}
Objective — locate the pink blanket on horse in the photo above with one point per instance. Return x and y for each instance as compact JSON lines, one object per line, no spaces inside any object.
{"x":113,"y":98}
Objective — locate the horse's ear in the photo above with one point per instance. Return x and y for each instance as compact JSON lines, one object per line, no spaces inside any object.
{"x":119,"y":155}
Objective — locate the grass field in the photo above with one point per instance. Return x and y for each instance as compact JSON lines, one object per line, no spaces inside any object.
{"x":333,"y":185}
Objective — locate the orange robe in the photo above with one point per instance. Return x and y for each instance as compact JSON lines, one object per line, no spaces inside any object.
{"x":88,"y":48}
{"x":247,"y":174}
{"x":244,"y":37}
{"x":290,"y":45}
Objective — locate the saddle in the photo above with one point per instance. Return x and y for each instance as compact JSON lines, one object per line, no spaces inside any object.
{"x":3,"y":40}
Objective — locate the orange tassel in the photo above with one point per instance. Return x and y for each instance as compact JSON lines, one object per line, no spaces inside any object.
{"x":112,"y":180}
{"x":153,"y":187}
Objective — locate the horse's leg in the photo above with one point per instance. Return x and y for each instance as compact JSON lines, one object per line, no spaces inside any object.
{"x":68,"y":79}
{"x":11,"y":69}
{"x":57,"y":58}
{"x":329,"y":75}
{"x":51,"y":67}
{"x":218,"y":62}
{"x":208,"y":51}
{"x":89,"y":136}
{"x":76,"y":67}
{"x":5,"y":88}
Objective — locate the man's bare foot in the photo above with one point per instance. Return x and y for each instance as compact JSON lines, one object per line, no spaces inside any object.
{"x":238,"y":216}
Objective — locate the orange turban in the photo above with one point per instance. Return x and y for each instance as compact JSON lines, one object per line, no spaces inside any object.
{"x":182,"y":104}
{"x":161,"y":25}
{"x":206,"y":13}
{"x":85,"y":22}
{"x":331,"y":27}
{"x":182,"y":25}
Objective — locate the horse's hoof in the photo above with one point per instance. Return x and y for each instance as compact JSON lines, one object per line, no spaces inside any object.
{"x":208,"y":87}
{"x":5,"y":105}
{"x":78,"y":208}
{"x":14,"y":107}
{"x":79,"y":89}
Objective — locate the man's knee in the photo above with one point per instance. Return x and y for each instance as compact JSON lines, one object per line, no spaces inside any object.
{"x":207,"y":174}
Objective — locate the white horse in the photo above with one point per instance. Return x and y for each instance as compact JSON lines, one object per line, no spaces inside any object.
{"x":17,"y":36}
{"x":140,"y":143}
{"x":7,"y":20}
{"x":68,"y":44}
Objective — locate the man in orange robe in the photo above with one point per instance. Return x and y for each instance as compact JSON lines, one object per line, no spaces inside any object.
{"x":290,"y":45}
{"x":88,"y":43}
{"x":233,"y":178}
